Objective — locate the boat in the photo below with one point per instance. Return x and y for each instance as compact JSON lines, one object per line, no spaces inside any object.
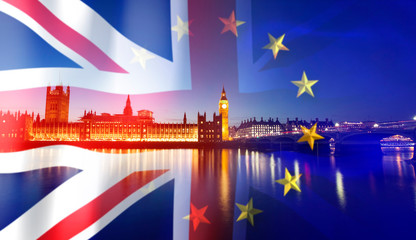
{"x":396,"y":143}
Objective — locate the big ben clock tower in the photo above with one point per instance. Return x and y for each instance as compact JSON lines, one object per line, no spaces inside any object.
{"x":223,"y":109}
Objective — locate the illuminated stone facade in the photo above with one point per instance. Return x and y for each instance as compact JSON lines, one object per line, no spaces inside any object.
{"x":106,"y":127}
{"x":43,"y":131}
{"x":15,"y":127}
{"x":223,"y":110}
{"x":118,"y":127}
{"x":253,"y":128}
{"x":209,"y":131}
{"x":57,"y":105}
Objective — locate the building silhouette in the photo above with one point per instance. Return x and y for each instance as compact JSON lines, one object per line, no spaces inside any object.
{"x":57,"y":105}
{"x":322,"y":125}
{"x":128,"y":126}
{"x":105,"y":126}
{"x":140,"y":127}
{"x":128,"y":111}
{"x":15,"y":127}
{"x":210,"y":131}
{"x":294,"y":125}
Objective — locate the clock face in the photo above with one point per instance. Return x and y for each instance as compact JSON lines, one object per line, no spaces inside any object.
{"x":224,"y":106}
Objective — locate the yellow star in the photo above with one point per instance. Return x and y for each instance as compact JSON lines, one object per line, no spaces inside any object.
{"x":310,"y":135}
{"x":305,"y":85}
{"x":275,"y":45}
{"x":181,"y":28}
{"x":247,"y":211}
{"x":289,"y":182}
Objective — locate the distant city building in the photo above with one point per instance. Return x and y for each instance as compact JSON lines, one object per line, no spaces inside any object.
{"x":15,"y":127}
{"x":322,"y":125}
{"x":253,"y":128}
{"x":210,"y":131}
{"x":371,"y":125}
{"x":410,"y":124}
{"x":347,"y":127}
{"x":57,"y":105}
{"x":223,"y":110}
{"x":233,"y":132}
{"x":294,"y":125}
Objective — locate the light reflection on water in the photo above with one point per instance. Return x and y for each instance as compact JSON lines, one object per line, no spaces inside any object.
{"x":263,"y":169}
{"x":360,"y":187}
{"x":225,"y":179}
{"x":340,"y":189}
{"x":398,"y":164}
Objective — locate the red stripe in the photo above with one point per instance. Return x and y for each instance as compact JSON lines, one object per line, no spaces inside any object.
{"x":66,"y":35}
{"x":97,"y":208}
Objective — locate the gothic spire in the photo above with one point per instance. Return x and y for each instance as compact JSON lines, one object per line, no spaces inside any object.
{"x":128,"y":111}
{"x":223,"y":95}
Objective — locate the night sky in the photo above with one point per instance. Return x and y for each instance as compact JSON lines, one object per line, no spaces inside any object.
{"x":362,"y":53}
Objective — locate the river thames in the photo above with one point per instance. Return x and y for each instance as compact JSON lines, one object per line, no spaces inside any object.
{"x":45,"y":190}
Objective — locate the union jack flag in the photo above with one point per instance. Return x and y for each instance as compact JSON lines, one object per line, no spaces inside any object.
{"x":78,"y":43}
{"x":64,"y":192}
{"x":139,"y":46}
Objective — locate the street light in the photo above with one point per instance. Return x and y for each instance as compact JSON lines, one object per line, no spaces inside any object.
{"x":414,"y":118}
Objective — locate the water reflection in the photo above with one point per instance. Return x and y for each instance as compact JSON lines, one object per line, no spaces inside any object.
{"x":336,"y":187}
{"x":340,"y":189}
{"x":398,"y":165}
{"x":332,"y":159}
{"x":413,"y":163}
{"x":213,"y":185}
{"x":272,"y":171}
{"x":225,"y":179}
{"x":307,"y":174}
{"x":398,"y":156}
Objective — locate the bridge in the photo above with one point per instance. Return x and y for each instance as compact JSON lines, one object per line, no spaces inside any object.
{"x":345,"y":142}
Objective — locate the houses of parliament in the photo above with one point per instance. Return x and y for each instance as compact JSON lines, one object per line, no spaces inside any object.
{"x":106,"y":127}
{"x":139,"y":126}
